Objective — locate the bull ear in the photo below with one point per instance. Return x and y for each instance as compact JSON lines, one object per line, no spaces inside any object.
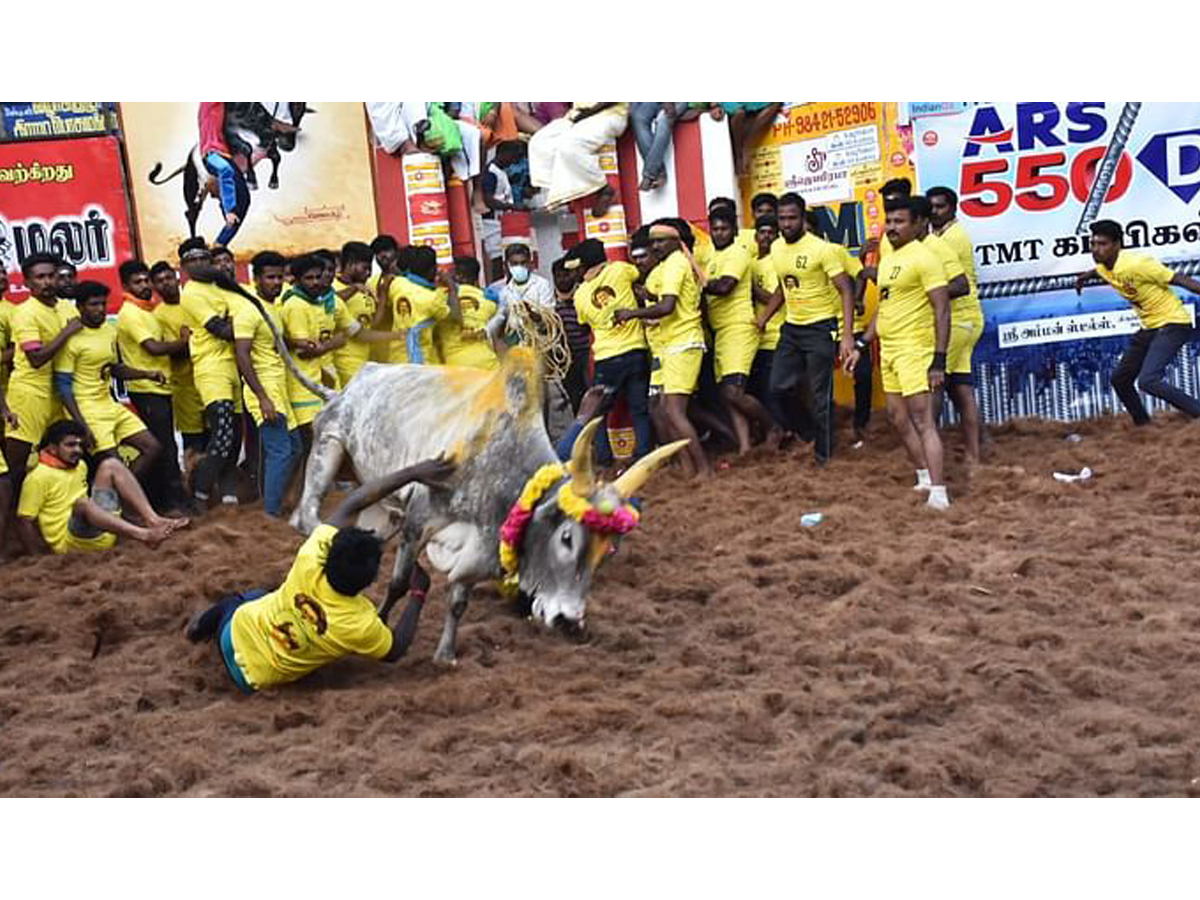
{"x":637,"y":475}
{"x":583,"y":478}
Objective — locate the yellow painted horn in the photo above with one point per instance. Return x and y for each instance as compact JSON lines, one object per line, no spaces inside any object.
{"x":631,"y":481}
{"x":583,"y":478}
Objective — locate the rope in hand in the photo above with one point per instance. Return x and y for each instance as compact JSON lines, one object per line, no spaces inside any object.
{"x":542,"y":330}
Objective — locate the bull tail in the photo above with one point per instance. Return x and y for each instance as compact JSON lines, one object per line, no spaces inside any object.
{"x":281,"y":345}
{"x":154,"y":179}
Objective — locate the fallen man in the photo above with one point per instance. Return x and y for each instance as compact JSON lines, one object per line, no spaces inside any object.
{"x":319,"y":613}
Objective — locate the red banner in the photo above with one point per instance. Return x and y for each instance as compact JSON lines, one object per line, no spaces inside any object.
{"x":65,"y":197}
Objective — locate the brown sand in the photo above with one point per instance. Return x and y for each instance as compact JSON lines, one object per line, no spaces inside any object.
{"x":1037,"y":639}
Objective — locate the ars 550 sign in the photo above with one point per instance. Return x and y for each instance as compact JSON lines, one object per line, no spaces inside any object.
{"x":1042,"y":182}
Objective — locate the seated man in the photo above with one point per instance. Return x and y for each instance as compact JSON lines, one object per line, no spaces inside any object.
{"x":318,"y":614}
{"x":565,"y":155}
{"x":56,"y":515}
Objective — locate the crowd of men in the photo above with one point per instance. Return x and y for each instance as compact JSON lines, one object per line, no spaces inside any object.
{"x":712,"y":333}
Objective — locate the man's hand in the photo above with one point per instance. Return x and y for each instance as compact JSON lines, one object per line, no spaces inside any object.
{"x":1081,"y":280}
{"x":442,"y":278}
{"x":622,"y":315}
{"x":157,"y":377}
{"x":269,"y":412}
{"x":847,"y":347}
{"x":850,"y":360}
{"x":937,"y":371}
{"x":760,"y":323}
{"x":73,"y":327}
{"x":433,"y":471}
{"x":592,"y":401}
{"x":231,"y":219}
{"x":185,"y":333}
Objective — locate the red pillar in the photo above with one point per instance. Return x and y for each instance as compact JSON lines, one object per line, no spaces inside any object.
{"x":462,"y":225}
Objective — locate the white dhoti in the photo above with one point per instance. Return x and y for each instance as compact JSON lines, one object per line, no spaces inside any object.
{"x":564,"y":157}
{"x":466,"y":162}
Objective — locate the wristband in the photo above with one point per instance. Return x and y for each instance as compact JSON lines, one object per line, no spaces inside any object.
{"x":860,"y":344}
{"x":939,"y":362}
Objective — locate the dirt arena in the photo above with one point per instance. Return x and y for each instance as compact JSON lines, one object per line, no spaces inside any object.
{"x":1038,"y":639}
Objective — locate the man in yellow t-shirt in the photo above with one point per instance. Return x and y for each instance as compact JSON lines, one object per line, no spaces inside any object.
{"x":391,"y":261}
{"x":208,"y":309}
{"x":913,"y":324}
{"x":820,"y":306}
{"x":143,"y":344}
{"x":350,"y":287}
{"x":619,"y":348}
{"x":1166,"y":323}
{"x":680,"y":338}
{"x":40,"y":327}
{"x":419,"y":301}
{"x":319,"y":613}
{"x":186,"y":408}
{"x":55,"y":513}
{"x":766,"y":230}
{"x":966,"y":317}
{"x":81,"y":379}
{"x":728,"y":289}
{"x":466,"y":343}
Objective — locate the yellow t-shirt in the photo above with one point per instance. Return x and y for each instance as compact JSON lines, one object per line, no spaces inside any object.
{"x":172,"y":317}
{"x":249,"y":325}
{"x":466,"y":344}
{"x":35,"y":322}
{"x":946,"y":254}
{"x":48,"y":495}
{"x":598,"y":299}
{"x":392,"y":351}
{"x":87,"y":355}
{"x":957,"y":239}
{"x":737,"y":307}
{"x":905,"y":313}
{"x":135,"y":325}
{"x":683,"y":328}
{"x":767,"y":281}
{"x":806,"y":270}
{"x":360,"y":307}
{"x":748,"y":238}
{"x":885,"y":247}
{"x":305,"y":623}
{"x":1143,"y":281}
{"x":703,"y":248}
{"x":304,"y":321}
{"x":418,"y":306}
{"x":200,"y":303}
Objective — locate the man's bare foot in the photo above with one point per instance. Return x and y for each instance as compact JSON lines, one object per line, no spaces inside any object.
{"x":774,"y":439}
{"x":603,"y":201}
{"x":155,"y":535}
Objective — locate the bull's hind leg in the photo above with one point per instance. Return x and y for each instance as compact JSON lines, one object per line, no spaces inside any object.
{"x":323,"y":463}
{"x":459,"y":594}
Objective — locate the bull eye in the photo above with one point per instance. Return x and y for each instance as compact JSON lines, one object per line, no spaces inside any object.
{"x":566,"y":538}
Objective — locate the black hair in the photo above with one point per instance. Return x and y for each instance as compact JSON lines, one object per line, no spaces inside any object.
{"x":196,"y":243}
{"x":221,"y":251}
{"x":267,"y":259}
{"x":162,"y":266}
{"x":305,"y":263}
{"x":640,"y":239}
{"x":559,"y":266}
{"x":896,"y":186}
{"x":328,"y":257}
{"x":791,"y":198}
{"x":404,"y":257}
{"x":589,"y":253}
{"x":39,"y":259}
{"x":718,"y":202}
{"x":422,"y":261}
{"x":899,"y":203}
{"x":383,"y":243}
{"x":66,"y":264}
{"x":89,"y":290}
{"x":356,"y":251}
{"x":63,"y":428}
{"x":765,"y":197}
{"x":721,"y":214}
{"x":466,"y":268}
{"x":921,"y":206}
{"x":763,"y":221}
{"x":517,"y":147}
{"x":513,"y":248}
{"x":353,"y":560}
{"x":131,"y":267}
{"x":1109,"y":229}
{"x":948,"y":193}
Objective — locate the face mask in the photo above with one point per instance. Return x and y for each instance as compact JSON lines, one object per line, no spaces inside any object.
{"x":519,"y":274}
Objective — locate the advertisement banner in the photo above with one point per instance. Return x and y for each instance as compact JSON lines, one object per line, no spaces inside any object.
{"x":1032,"y":176}
{"x":301,"y":174}
{"x":45,"y":121}
{"x":68,"y":198}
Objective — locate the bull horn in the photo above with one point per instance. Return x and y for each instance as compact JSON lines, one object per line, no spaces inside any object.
{"x":632,"y":480}
{"x":583,"y":478}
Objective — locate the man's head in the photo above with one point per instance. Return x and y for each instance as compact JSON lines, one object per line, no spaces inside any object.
{"x":640,"y":253}
{"x":356,"y":262}
{"x":723,"y":203}
{"x":307,"y":272}
{"x":897,"y":187}
{"x":135,"y":278}
{"x":766,"y":229}
{"x":590,"y":254}
{"x":791,"y":217}
{"x":509,"y":153}
{"x":64,"y":440}
{"x":664,"y":238}
{"x":386,"y":250}
{"x":1107,"y":238}
{"x":466,"y":270}
{"x":40,"y":271}
{"x":329,"y":270}
{"x":564,"y":278}
{"x":943,"y":206}
{"x":91,"y":297}
{"x":764,"y":204}
{"x":517,"y":260}
{"x":722,"y":225}
{"x":222,"y":259}
{"x":352,"y":563}
{"x":422,"y":262}
{"x":267,"y":270}
{"x":922,"y":209}
{"x":901,"y":221}
{"x":165,"y":281}
{"x":65,"y":278}
{"x":194,"y":255}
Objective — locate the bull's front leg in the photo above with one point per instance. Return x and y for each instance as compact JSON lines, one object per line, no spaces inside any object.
{"x":273,"y":184}
{"x":323,"y":463}
{"x":459,"y":594}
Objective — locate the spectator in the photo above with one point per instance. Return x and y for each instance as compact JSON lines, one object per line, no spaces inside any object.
{"x":565,"y":155}
{"x":578,"y":339}
{"x":746,"y":122}
{"x":652,"y":126}
{"x":497,"y":195}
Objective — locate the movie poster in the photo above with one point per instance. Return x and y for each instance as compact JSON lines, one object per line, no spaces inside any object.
{"x":299,"y":176}
{"x":64,"y":197}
